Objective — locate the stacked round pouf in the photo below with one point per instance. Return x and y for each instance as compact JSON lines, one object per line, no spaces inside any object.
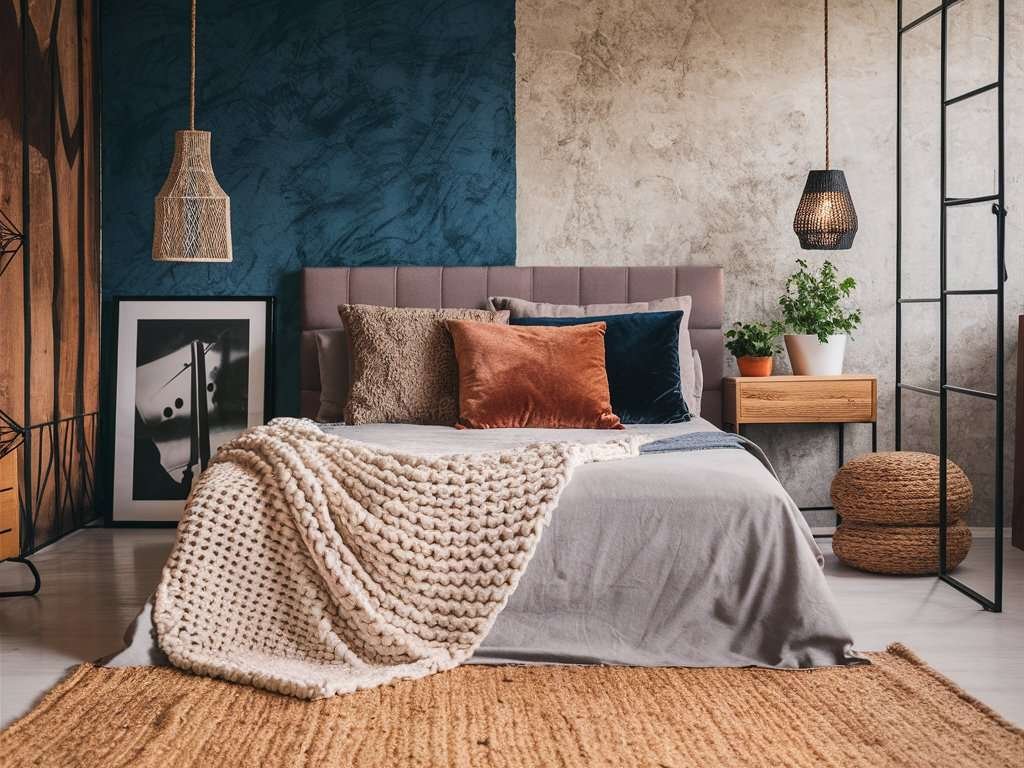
{"x":889,"y":503}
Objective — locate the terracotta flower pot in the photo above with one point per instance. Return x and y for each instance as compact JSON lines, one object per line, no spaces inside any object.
{"x":755,"y":366}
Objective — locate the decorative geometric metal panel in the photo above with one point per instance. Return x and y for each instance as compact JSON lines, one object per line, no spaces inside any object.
{"x":65,"y":472}
{"x":10,"y":242}
{"x":12,"y":434}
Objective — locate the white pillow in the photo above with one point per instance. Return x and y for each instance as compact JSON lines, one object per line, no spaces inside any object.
{"x":693,"y":403}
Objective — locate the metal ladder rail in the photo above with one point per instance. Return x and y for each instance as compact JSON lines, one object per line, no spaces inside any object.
{"x":993,"y":604}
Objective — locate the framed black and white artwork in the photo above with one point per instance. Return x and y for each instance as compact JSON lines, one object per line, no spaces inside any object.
{"x":192,"y":373}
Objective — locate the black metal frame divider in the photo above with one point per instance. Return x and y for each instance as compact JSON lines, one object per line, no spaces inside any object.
{"x":995,"y":603}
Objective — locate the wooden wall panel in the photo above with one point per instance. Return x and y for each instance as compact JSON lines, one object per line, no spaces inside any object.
{"x":66,"y":164}
{"x":42,"y":370}
{"x":12,"y":379}
{"x":50,"y":138}
{"x":90,"y":317}
{"x":89,"y":383}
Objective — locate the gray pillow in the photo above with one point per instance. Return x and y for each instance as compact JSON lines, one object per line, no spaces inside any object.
{"x":687,"y":374}
{"x":698,"y":384}
{"x":403,"y":363}
{"x":331,"y":353}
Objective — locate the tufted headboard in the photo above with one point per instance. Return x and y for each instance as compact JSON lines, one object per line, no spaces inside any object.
{"x":324,"y":288}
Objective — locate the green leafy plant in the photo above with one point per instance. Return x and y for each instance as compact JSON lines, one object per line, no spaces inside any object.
{"x":754,"y":339}
{"x":813,"y":302}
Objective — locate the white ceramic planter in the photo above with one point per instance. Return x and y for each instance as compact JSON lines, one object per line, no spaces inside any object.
{"x":809,"y":357}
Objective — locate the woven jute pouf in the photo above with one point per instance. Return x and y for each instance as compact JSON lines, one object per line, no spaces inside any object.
{"x":899,"y":488}
{"x":906,"y":550}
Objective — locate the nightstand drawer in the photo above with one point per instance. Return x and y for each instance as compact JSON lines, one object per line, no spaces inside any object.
{"x":10,"y":545}
{"x":9,"y":471}
{"x":800,"y":400}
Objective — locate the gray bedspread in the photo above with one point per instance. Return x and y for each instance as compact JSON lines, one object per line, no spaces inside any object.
{"x":678,"y":557}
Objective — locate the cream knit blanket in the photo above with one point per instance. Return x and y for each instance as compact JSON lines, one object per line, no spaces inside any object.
{"x":312,"y":565}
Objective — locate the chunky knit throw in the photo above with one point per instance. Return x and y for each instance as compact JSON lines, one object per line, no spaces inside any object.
{"x":312,"y":565}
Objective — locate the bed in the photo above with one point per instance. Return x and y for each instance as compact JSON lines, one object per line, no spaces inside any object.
{"x":695,"y":558}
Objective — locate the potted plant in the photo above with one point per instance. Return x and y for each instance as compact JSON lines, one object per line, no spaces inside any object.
{"x":814,"y":312}
{"x":754,"y":345}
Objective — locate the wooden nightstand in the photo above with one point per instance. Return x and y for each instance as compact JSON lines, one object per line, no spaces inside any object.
{"x":10,"y":531}
{"x":10,"y":519}
{"x":840,"y":400}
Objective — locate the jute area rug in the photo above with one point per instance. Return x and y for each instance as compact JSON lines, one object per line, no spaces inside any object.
{"x":895,"y":712}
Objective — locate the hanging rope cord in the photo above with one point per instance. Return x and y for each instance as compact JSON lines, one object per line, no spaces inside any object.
{"x":192,"y":76}
{"x":826,"y":83}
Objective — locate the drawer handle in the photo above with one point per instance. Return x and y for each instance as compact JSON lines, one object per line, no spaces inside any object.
{"x":6,"y":530}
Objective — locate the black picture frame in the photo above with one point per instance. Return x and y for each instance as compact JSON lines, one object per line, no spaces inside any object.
{"x":110,"y":422}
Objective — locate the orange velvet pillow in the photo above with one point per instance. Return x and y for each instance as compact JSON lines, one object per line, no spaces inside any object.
{"x":532,"y":376}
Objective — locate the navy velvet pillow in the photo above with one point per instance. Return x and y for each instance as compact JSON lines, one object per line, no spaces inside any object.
{"x":642,"y":359}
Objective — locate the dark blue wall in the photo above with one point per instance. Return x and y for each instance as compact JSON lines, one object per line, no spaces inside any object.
{"x":346,"y":133}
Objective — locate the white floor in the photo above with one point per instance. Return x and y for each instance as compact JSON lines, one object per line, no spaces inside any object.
{"x":95,"y":580}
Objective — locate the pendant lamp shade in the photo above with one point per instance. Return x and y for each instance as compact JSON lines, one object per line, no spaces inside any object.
{"x":193,"y":213}
{"x":192,"y":219}
{"x":825,"y":218}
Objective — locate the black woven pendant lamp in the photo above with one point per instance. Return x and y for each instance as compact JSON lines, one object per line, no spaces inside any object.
{"x":826,"y":219}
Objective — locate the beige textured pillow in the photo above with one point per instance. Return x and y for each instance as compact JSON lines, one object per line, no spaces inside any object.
{"x":687,"y":374}
{"x":403,"y":363}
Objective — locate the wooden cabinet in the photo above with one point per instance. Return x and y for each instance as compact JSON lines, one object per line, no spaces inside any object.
{"x":10,"y":545}
{"x":850,"y":398}
{"x":839,"y":400}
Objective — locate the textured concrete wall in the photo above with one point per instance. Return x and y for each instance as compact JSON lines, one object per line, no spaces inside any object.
{"x":681,"y":131}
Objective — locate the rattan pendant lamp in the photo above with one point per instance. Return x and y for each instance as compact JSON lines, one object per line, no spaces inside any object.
{"x":825,"y":218}
{"x":193,"y":213}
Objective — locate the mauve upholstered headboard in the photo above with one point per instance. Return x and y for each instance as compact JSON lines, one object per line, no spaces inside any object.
{"x":324,"y":288}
